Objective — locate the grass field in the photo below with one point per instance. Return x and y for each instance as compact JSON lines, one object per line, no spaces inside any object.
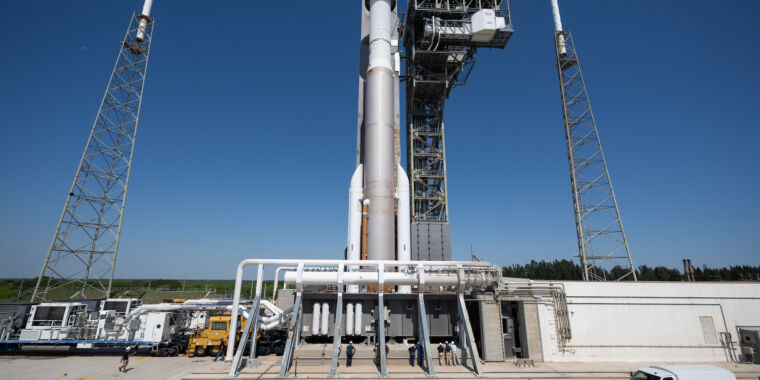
{"x":150,"y":291}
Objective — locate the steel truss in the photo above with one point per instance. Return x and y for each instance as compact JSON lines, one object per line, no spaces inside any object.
{"x":83,"y":252}
{"x":602,"y":244}
{"x":439,"y":56}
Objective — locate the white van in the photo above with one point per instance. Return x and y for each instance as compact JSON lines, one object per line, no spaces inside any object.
{"x":683,"y":372}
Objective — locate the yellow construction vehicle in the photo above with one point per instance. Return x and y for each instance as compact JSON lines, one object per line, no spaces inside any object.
{"x":209,"y":340}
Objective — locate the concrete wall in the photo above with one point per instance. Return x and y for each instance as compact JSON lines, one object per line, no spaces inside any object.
{"x":648,"y":321}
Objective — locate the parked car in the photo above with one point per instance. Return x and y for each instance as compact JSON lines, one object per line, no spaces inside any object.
{"x":683,"y":372}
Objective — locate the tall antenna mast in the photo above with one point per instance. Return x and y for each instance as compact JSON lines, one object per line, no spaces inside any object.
{"x":82,"y":255}
{"x":602,"y":244}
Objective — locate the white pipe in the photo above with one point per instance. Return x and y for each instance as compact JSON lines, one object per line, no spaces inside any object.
{"x":557,"y":19}
{"x":206,"y":301}
{"x":349,"y":319}
{"x":403,"y":222}
{"x":172,"y":307}
{"x":315,"y":319}
{"x":371,"y":278}
{"x":355,"y":195}
{"x":276,"y":311}
{"x":358,"y":319}
{"x":269,"y":325}
{"x":265,"y":323}
{"x":146,"y":7}
{"x":558,"y":27}
{"x":278,"y":319}
{"x":367,"y":263}
{"x":243,"y":311}
{"x":325,"y":318}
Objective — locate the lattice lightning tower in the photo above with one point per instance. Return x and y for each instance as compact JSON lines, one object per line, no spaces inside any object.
{"x":82,"y":255}
{"x":602,"y":245}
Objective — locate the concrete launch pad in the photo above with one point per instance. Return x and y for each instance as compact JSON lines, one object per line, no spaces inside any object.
{"x":104,"y":366}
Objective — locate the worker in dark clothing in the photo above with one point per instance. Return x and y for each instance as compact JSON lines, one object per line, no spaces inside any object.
{"x":125,"y":359}
{"x":440,"y":354}
{"x":219,"y":353}
{"x":412,"y":353}
{"x":420,"y":353}
{"x":350,"y":350}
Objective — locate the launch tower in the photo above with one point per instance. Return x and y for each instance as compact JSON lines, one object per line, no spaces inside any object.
{"x":602,"y":245}
{"x":440,"y":39}
{"x":86,"y":241}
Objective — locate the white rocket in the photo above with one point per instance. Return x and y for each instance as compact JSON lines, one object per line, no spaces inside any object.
{"x":388,"y":232}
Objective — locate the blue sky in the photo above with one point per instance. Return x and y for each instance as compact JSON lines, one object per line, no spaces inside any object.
{"x":248,"y":128}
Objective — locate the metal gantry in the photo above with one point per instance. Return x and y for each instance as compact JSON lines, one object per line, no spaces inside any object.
{"x":83,"y":252}
{"x":441,"y":38}
{"x":602,"y":244}
{"x":440,"y":53}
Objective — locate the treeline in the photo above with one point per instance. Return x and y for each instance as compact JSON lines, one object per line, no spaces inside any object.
{"x":570,"y":270}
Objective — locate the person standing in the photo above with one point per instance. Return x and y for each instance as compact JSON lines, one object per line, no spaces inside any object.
{"x":454,"y":353}
{"x":749,"y":354}
{"x":220,"y":353}
{"x":350,"y":353}
{"x":420,"y":353}
{"x":440,"y":354}
{"x":125,"y":359}
{"x":412,"y":353}
{"x":447,"y":353}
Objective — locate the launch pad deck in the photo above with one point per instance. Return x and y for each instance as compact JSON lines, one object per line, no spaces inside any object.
{"x":104,"y":366}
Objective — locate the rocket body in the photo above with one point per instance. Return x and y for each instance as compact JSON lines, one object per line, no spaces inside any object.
{"x":378,"y":138}
{"x":376,"y":231}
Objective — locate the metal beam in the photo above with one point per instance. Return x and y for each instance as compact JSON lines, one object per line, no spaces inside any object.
{"x":250,"y":325}
{"x":425,"y":335}
{"x":336,"y":325}
{"x":381,"y":335}
{"x":294,"y":334}
{"x":472,"y":349}
{"x":336,"y":337}
{"x":253,"y":362}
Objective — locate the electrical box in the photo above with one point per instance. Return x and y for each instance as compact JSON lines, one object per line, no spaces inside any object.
{"x":484,"y":25}
{"x":156,"y":327}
